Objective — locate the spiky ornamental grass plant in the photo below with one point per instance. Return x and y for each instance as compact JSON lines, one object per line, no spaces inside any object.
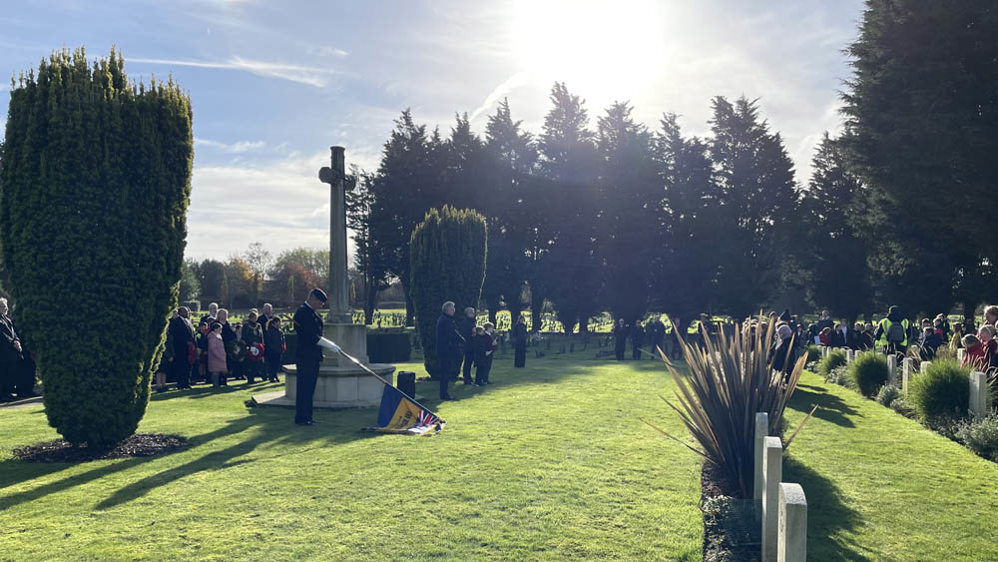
{"x":95,"y":177}
{"x":730,"y":380}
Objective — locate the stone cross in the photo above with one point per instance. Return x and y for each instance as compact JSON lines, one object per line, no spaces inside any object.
{"x":339,"y":298}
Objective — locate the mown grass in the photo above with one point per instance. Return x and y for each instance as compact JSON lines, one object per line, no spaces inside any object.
{"x":882,"y":487}
{"x":551,"y":462}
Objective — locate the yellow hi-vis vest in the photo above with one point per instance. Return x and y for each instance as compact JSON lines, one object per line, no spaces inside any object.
{"x":885,"y":324}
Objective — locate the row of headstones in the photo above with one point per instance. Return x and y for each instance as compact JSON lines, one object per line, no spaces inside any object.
{"x":783,"y":505}
{"x":979,"y":406}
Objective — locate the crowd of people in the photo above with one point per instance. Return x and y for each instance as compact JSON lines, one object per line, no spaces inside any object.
{"x":216,"y":350}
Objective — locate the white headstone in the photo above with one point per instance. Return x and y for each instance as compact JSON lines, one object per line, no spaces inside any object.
{"x":924,"y":366}
{"x":908,"y":369}
{"x":824,"y":351}
{"x":978,"y":394}
{"x":761,"y":432}
{"x":849,"y":356}
{"x":772,"y":467}
{"x":892,"y":368}
{"x":959,"y":354}
{"x":792,"y":539}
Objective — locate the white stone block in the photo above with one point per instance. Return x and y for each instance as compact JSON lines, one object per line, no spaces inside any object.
{"x":773,"y":470}
{"x":370,"y":389}
{"x":892,"y":368}
{"x":761,"y":432}
{"x":792,"y":545}
{"x":978,"y":394}
{"x":343,"y":389}
{"x":959,"y":354}
{"x":907,"y":371}
{"x":924,"y":366}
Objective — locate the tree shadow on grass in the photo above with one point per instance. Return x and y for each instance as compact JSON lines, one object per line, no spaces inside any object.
{"x":272,"y":427}
{"x":829,"y":520}
{"x":831,"y":408}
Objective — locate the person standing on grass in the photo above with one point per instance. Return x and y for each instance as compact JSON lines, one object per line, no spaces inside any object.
{"x":11,"y":353}
{"x":490,"y":348}
{"x":520,"y":343}
{"x":637,"y":340}
{"x":217,"y":369}
{"x":267,"y":312}
{"x":449,"y":343}
{"x":620,"y":339}
{"x":467,"y":330}
{"x":229,"y":337}
{"x":184,"y":347}
{"x":252,"y":336}
{"x":308,"y":326}
{"x":275,"y":346}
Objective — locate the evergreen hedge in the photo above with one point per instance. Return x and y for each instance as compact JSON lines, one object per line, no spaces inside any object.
{"x":95,"y":177}
{"x":447,"y":263}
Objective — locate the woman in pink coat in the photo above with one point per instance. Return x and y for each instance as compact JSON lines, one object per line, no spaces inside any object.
{"x":216,"y":356}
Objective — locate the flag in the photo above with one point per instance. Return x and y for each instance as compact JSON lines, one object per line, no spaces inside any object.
{"x":401,"y":414}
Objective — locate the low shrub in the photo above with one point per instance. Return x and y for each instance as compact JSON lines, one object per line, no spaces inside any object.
{"x":888,"y":394}
{"x":980,"y":436}
{"x":834,"y":359}
{"x":813,"y":353}
{"x":839,"y":375}
{"x":943,"y":391}
{"x":901,"y":406}
{"x":869,"y":372}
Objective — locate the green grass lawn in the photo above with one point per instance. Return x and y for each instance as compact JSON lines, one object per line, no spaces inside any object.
{"x":551,"y":462}
{"x":882,"y":487}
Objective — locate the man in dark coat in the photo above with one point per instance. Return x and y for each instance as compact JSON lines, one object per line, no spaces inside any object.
{"x":449,"y":343}
{"x":308,"y":327}
{"x":656,"y":335}
{"x":520,"y":343}
{"x":620,"y":339}
{"x":182,"y":333}
{"x":637,"y":341}
{"x":10,"y":353}
{"x":467,"y":331}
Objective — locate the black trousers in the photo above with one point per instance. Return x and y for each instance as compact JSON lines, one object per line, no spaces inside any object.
{"x":636,"y":353}
{"x":619,"y":351}
{"x":469,"y":358}
{"x":446,"y":364}
{"x":182,"y":372}
{"x":8,"y":377}
{"x":520,"y":356}
{"x":307,"y":377}
{"x":273,"y":366}
{"x":482,"y":370}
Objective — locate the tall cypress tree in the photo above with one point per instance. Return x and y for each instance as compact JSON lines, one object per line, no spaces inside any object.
{"x":94,"y":186}
{"x":759,"y":197}
{"x":448,"y":264}
{"x":922,"y":129}
{"x":630,"y":197}
{"x":569,"y":164}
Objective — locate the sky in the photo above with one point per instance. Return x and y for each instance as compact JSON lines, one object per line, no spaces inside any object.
{"x":275,"y":84}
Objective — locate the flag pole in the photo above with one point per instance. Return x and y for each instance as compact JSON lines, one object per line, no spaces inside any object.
{"x":330,"y":345}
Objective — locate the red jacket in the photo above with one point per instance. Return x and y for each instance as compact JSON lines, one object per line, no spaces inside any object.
{"x":976,"y":356}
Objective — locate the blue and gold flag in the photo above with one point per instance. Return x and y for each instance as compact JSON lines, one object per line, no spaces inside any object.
{"x":401,"y":414}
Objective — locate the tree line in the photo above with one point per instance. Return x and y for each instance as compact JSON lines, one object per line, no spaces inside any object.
{"x":614,"y":215}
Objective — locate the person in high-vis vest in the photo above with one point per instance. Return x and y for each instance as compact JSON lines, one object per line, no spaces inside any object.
{"x":892,"y":332}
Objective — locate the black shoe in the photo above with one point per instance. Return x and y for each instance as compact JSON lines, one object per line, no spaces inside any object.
{"x":306,"y":422}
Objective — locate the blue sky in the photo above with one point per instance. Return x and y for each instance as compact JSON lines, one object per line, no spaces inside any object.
{"x":274,"y":84}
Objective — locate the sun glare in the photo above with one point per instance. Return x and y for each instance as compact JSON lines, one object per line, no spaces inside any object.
{"x":602,"y":50}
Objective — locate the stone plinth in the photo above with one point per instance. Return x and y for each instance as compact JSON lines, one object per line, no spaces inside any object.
{"x":337,"y":387}
{"x":341,"y":383}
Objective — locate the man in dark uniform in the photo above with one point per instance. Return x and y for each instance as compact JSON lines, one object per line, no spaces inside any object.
{"x":448,"y":347}
{"x":467,"y":331}
{"x":308,"y":327}
{"x":182,"y":336}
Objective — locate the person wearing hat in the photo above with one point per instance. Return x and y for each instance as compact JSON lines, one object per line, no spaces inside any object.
{"x":308,"y":327}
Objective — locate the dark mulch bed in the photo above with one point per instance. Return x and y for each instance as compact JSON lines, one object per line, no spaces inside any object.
{"x":730,"y":530}
{"x":138,"y":445}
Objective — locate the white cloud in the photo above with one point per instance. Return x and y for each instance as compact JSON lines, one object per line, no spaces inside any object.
{"x":513,"y":82}
{"x":332,"y":52}
{"x":237,"y":147}
{"x":309,"y":75}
